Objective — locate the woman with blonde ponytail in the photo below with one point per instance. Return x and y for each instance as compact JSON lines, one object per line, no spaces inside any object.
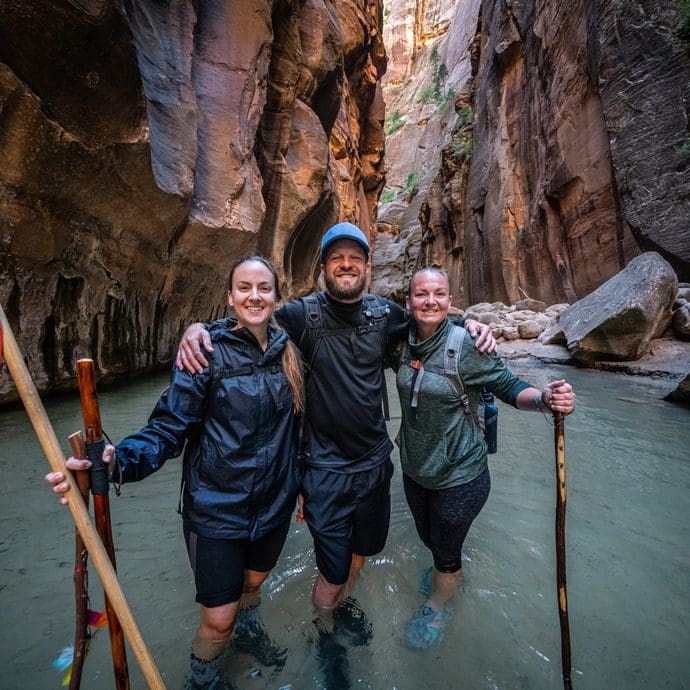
{"x":236,"y":423}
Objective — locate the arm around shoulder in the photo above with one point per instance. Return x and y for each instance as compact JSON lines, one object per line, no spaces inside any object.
{"x":190,"y":356}
{"x":485,"y":341}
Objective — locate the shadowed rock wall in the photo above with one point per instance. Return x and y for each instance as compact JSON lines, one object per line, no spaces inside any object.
{"x":541,"y":210}
{"x":145,"y":147}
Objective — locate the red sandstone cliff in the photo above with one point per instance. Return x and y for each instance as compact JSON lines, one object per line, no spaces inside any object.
{"x":143,"y":149}
{"x":568,"y":155}
{"x":539,"y":147}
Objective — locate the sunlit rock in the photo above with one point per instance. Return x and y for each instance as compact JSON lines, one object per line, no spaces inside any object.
{"x":619,"y":319}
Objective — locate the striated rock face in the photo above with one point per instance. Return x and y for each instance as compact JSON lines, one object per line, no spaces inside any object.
{"x":576,"y":157}
{"x":145,"y":147}
{"x":644,"y":82}
{"x":540,"y":210}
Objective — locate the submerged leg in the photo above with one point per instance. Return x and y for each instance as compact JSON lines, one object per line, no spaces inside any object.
{"x":356,"y":567}
{"x":250,"y":634}
{"x":326,"y":596}
{"x":215,"y":626}
{"x":428,"y":624}
{"x":443,"y":588}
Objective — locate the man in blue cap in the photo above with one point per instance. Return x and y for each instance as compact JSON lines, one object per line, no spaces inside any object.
{"x":344,"y":335}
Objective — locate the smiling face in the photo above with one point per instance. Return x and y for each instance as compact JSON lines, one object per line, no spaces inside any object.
{"x":429,"y":300}
{"x":252,"y":295}
{"x":345,"y":271}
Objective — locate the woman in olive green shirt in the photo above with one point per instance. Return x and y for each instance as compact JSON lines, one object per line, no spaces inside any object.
{"x":442,"y":448}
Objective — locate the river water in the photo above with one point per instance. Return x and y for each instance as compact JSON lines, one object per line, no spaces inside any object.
{"x":628,"y":539}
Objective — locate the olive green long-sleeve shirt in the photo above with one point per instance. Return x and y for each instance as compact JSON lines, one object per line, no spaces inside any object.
{"x":440,"y":446}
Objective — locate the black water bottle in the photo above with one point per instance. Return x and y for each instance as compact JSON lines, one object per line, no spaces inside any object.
{"x":490,"y":421}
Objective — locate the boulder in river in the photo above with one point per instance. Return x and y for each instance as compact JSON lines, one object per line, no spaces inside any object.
{"x":681,"y":393}
{"x":619,"y":319}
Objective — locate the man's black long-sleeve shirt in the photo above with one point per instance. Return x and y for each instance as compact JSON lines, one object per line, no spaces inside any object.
{"x":345,"y":428}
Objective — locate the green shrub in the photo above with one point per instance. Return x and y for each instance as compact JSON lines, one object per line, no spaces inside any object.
{"x":388,"y":196}
{"x":448,"y":98}
{"x":434,"y":91}
{"x":465,"y":116}
{"x":393,"y":123}
{"x":411,"y":184}
{"x":683,"y":7}
{"x":461,"y":147}
{"x":428,"y":92}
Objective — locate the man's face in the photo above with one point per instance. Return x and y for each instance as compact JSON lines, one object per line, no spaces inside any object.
{"x":345,"y":271}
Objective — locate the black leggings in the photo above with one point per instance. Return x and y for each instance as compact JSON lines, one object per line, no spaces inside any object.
{"x":443,"y":517}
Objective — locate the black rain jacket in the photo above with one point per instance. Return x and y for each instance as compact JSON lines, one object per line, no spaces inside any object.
{"x":240,"y":472}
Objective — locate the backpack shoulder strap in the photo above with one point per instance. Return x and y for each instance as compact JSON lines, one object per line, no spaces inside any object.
{"x":312,"y":311}
{"x":313,"y":326}
{"x":451,"y":370}
{"x":376,"y":308}
{"x":451,"y":357}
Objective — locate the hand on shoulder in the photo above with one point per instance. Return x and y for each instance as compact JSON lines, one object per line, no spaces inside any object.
{"x":484,"y":339}
{"x":190,"y":356}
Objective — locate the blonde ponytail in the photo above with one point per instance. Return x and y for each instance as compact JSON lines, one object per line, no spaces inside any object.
{"x":292,"y":366}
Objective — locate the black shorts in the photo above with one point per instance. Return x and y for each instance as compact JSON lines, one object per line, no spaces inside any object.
{"x":219,"y":564}
{"x":443,"y":517}
{"x":346,"y":514}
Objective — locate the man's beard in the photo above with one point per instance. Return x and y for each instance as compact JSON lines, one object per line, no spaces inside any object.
{"x":345,"y":293}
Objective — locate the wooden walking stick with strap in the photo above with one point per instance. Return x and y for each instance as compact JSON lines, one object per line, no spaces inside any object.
{"x":95,"y":443}
{"x":559,"y":440}
{"x":99,"y":557}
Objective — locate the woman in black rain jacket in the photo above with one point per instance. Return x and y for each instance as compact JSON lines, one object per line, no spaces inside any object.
{"x":240,"y":472}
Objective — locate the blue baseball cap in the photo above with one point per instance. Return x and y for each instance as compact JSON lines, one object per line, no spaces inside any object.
{"x":344,"y":231}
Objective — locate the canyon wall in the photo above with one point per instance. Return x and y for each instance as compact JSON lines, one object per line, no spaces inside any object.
{"x":568,"y":154}
{"x":532,"y":148}
{"x":428,"y":67}
{"x":145,"y":146}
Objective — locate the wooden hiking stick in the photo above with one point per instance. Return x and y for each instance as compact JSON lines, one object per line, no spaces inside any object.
{"x":86,"y":376}
{"x":99,"y":556}
{"x":559,"y":439}
{"x":81,"y":559}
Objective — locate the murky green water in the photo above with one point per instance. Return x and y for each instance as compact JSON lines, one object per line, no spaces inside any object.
{"x":628,"y":539}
